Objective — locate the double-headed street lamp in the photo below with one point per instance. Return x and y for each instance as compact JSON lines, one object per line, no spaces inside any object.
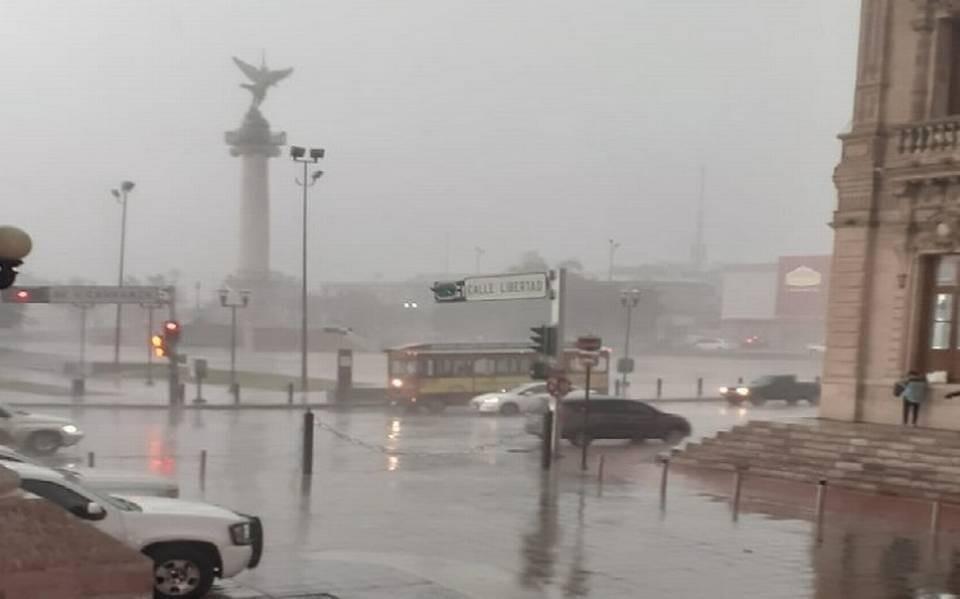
{"x":305,"y":157}
{"x":229,"y":300}
{"x":629,"y":300}
{"x":121,"y":196}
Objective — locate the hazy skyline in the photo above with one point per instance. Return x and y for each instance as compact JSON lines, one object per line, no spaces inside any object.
{"x":505,"y":125}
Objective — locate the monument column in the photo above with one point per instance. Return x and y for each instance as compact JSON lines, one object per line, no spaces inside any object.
{"x":255,"y":144}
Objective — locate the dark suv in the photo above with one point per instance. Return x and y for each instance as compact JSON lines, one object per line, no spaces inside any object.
{"x":612,"y":418}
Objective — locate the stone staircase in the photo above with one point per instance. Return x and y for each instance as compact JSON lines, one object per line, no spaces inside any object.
{"x":888,"y":460}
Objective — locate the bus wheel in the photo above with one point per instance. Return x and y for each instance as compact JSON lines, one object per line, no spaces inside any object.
{"x":435,"y":406}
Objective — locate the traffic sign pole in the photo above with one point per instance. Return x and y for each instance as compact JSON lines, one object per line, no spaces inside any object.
{"x":557,"y":316}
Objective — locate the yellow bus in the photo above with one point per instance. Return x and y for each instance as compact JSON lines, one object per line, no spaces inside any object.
{"x":435,"y":375}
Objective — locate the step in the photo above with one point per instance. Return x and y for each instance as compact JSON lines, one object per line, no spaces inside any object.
{"x":930,"y":454}
{"x":906,"y":482}
{"x":914,"y":436}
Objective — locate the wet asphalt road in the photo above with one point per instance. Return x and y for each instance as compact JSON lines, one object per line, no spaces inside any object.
{"x":456,"y":506}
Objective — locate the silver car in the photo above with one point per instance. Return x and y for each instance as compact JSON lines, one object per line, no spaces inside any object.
{"x":36,"y":433}
{"x":105,"y":480}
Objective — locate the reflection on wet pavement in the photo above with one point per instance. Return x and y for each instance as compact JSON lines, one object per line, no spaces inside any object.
{"x":455,"y":506}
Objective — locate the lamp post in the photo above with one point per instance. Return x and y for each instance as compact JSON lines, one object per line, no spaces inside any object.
{"x":305,"y":157}
{"x":614,"y":246}
{"x":479,"y":255}
{"x":15,"y":245}
{"x":228,"y":300}
{"x":121,"y":196}
{"x":629,"y":300}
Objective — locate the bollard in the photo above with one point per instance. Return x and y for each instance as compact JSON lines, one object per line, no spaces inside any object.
{"x":181,"y":393}
{"x":659,"y":388}
{"x":289,"y":393}
{"x":664,"y":459}
{"x":91,"y":459}
{"x":235,"y":391}
{"x":935,"y":517}
{"x":821,"y":501}
{"x":307,"y":463}
{"x":546,"y":449}
{"x":700,"y":387}
{"x":739,"y":380}
{"x":737,"y":485}
{"x":203,"y":469}
{"x":600,"y":469}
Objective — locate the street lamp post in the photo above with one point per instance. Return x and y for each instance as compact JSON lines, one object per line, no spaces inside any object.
{"x":614,"y":246}
{"x":629,"y":300}
{"x":121,"y":196}
{"x":231,"y":302}
{"x":479,"y":255}
{"x":305,"y":157}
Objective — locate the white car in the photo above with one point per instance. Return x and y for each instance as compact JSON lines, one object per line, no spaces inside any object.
{"x":712,"y":344}
{"x":106,"y":480}
{"x":524,"y":398}
{"x":190,"y":544}
{"x":37,"y":433}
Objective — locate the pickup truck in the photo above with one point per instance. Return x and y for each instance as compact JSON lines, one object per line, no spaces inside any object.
{"x":778,"y":386}
{"x":190,"y":543}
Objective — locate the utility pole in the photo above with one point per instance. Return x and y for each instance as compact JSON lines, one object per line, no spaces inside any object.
{"x":614,"y":246}
{"x":557,"y":316}
{"x":629,"y":300}
{"x":121,"y":196}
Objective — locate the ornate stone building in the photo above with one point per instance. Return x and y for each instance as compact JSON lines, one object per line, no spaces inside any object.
{"x":895,"y":282}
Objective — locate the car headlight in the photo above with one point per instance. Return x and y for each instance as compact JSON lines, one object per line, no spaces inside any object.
{"x":241,"y":533}
{"x":724,"y":389}
{"x":743,"y":391}
{"x":70,"y":429}
{"x":396,"y":383}
{"x":492,"y":400}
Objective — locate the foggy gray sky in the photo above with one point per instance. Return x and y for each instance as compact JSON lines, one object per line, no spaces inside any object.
{"x":507,"y":124}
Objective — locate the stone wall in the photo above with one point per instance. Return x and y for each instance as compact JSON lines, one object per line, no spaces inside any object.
{"x":47,"y":553}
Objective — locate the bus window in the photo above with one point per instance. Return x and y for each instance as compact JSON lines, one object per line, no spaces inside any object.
{"x":483,"y":366}
{"x":428,"y":366}
{"x":463,"y":367}
{"x":403,"y":367}
{"x":503,"y":366}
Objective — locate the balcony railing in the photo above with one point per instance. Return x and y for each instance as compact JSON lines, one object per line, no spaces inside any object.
{"x":932,"y":136}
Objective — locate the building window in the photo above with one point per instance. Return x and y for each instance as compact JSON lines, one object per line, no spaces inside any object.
{"x":941,"y":298}
{"x":946,"y":75}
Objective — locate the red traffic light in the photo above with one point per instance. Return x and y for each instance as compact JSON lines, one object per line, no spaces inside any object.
{"x":171,"y":332}
{"x":171,"y":326}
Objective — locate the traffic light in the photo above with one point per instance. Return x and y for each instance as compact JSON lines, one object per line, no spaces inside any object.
{"x":25,"y":295}
{"x":448,"y":291}
{"x":171,"y":333}
{"x":544,"y":340}
{"x":158,"y":346}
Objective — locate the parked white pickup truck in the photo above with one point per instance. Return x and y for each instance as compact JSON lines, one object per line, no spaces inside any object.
{"x":190,"y":543}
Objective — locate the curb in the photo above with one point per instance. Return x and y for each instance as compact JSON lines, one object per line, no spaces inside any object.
{"x":191,"y":406}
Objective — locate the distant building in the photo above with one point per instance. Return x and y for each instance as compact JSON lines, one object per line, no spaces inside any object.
{"x":781,"y":304}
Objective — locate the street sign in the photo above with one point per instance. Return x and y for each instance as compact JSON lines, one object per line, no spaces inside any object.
{"x":589,"y":343}
{"x":506,"y":287}
{"x":99,"y":294}
{"x":625,"y":365}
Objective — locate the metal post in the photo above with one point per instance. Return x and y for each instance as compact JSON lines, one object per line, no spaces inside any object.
{"x":664,"y":473}
{"x":307,"y":462}
{"x":700,"y":387}
{"x":199,"y":397}
{"x":584,"y":436}
{"x":203,"y":469}
{"x":558,"y":315}
{"x":233,"y":345}
{"x":821,"y":502}
{"x":235,"y":391}
{"x":626,"y":342}
{"x":289,"y":393}
{"x":176,"y":393}
{"x":303,"y":295}
{"x":150,"y":309}
{"x":737,"y":484}
{"x":659,"y":388}
{"x":123,"y":244}
{"x":91,"y":459}
{"x":600,"y":469}
{"x":935,"y":517}
{"x":546,"y":450}
{"x":83,"y":343}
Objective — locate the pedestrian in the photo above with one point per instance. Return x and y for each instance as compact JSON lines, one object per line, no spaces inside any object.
{"x":913,"y":392}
